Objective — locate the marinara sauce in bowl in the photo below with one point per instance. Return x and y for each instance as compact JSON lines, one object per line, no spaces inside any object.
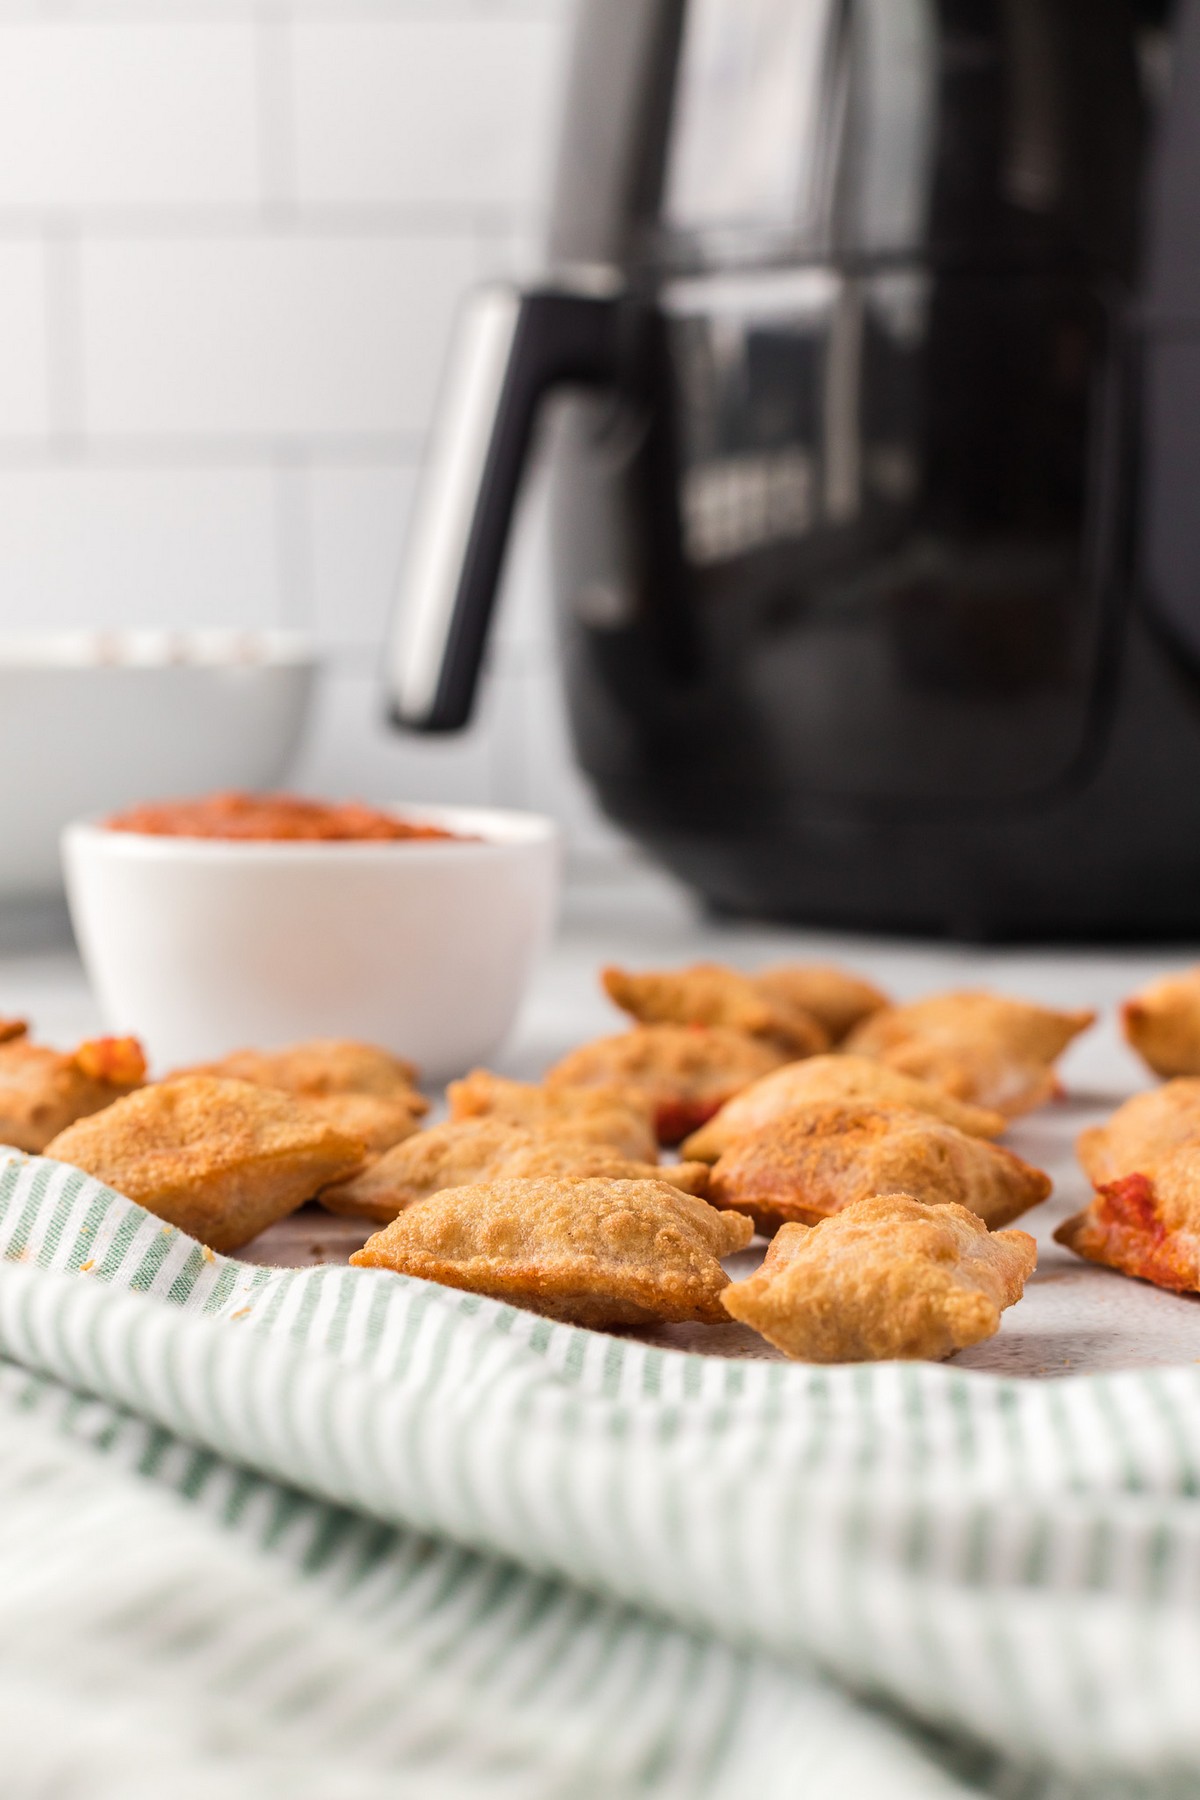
{"x":251,"y":919}
{"x":278,"y":819}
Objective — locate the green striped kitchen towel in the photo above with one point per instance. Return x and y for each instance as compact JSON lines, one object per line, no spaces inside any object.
{"x":334,"y":1532}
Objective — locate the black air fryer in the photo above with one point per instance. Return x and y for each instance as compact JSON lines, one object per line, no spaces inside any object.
{"x":875,"y":331}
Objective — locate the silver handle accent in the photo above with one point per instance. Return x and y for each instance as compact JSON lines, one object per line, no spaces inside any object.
{"x":447,"y":497}
{"x":509,"y":350}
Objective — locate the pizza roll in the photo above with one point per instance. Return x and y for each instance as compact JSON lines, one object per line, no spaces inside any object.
{"x":889,"y":1278}
{"x":710,"y":994}
{"x":359,"y":1089}
{"x":822,"y":1158}
{"x":590,"y":1252}
{"x":453,"y":1154}
{"x":463,"y":1152}
{"x":1145,"y":1224}
{"x":318,"y":1066}
{"x":840,"y":1077}
{"x":42,"y":1091}
{"x":13,"y":1028}
{"x":836,"y":999}
{"x":686,"y":1073}
{"x":983,"y":1048}
{"x":378,"y":1121}
{"x":611,"y":1115}
{"x":220,"y":1159}
{"x":1143,"y":1132}
{"x":1162,"y":1024}
{"x":562,"y":1156}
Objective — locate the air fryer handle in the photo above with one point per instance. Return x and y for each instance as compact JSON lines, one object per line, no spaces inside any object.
{"x":510,"y":350}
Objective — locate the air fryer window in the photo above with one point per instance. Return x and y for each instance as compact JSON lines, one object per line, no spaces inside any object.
{"x":748,"y":104}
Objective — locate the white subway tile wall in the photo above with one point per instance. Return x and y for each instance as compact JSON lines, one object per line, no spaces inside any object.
{"x":233,"y":236}
{"x":266,"y":337}
{"x":422,"y":112}
{"x":127,"y":114}
{"x":24,"y":340}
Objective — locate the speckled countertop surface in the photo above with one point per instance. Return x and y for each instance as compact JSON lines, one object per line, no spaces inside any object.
{"x":1073,"y":1319}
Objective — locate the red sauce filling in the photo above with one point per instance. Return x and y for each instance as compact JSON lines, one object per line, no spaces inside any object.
{"x":120,"y":1061}
{"x":676,"y":1119}
{"x":274,"y":818}
{"x":1130,"y":1203}
{"x":1134,"y":1237}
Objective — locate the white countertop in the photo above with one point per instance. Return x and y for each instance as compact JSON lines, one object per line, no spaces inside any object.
{"x":1074,"y":1318}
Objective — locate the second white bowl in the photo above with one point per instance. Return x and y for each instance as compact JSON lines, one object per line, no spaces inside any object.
{"x":425,"y":947}
{"x":87,"y":718}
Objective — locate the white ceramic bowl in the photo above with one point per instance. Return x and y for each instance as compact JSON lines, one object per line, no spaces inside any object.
{"x":91,"y":722}
{"x":425,"y":947}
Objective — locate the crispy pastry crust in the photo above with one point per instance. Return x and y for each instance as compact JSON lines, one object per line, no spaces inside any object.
{"x":454,"y":1154}
{"x":837,"y":999}
{"x":464,"y":1152}
{"x":13,"y":1028}
{"x":685,"y":1073}
{"x":42,"y":1091}
{"x":318,"y":1066}
{"x":710,"y":994}
{"x":1144,"y":1219}
{"x":817,"y":1160}
{"x":1145,"y":1224}
{"x":1143,"y":1132}
{"x":615,"y":1116}
{"x":979,"y":1047}
{"x":591,"y":1252}
{"x":1162,"y":1023}
{"x":833,"y":1078}
{"x":377,"y":1121}
{"x":220,"y":1159}
{"x":887,"y":1278}
{"x":359,"y":1089}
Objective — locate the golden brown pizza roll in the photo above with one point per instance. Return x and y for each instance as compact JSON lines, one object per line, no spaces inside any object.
{"x":13,"y":1028}
{"x":685,"y":1073}
{"x":42,"y":1091}
{"x":463,"y":1152}
{"x":886,"y":1279}
{"x":220,"y":1159}
{"x":820,"y":1159}
{"x":710,"y":994}
{"x":1162,"y":1023}
{"x":979,"y":1047}
{"x":591,"y":1252}
{"x":841,"y":1077}
{"x":834,"y":997}
{"x":317,"y":1066}
{"x":562,"y":1156}
{"x":378,"y":1121}
{"x":611,"y":1115}
{"x":454,"y":1154}
{"x":1145,"y":1224}
{"x":361,"y":1090}
{"x":1142,"y":1132}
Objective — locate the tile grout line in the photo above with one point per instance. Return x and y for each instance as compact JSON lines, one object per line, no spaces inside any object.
{"x":292,"y":497}
{"x":283,"y":217}
{"x":185,"y":450}
{"x":221,"y":12}
{"x":275,"y":111}
{"x":65,"y":378}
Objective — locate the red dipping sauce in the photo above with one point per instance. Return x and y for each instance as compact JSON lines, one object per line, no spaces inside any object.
{"x":275,"y":818}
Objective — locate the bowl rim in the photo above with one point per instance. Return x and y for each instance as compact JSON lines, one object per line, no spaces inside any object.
{"x":491,"y":830}
{"x":156,"y":649}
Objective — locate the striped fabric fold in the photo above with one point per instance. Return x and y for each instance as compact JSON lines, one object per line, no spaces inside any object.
{"x":959,"y":1584}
